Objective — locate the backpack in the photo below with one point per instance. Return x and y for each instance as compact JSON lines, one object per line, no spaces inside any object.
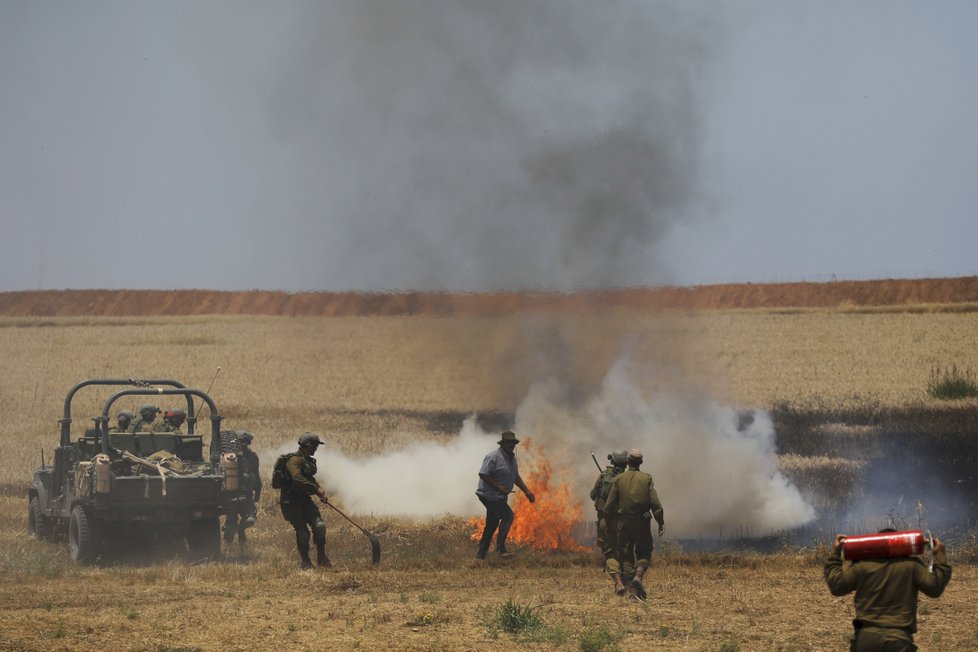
{"x":607,"y":477}
{"x":280,"y":475}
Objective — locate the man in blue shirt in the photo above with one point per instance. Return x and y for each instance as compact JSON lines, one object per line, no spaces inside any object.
{"x":497,"y":476}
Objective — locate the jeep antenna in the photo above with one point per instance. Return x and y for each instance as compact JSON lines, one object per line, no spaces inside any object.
{"x":208,"y":392}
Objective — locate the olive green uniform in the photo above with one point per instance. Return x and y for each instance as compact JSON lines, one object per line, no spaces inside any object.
{"x":142,"y":425}
{"x":299,"y":509}
{"x":632,"y":494}
{"x":244,"y":506}
{"x":886,"y":597}
{"x":606,"y":522}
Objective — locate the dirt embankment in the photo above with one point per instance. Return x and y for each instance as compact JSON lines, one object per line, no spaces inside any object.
{"x":888,"y":292}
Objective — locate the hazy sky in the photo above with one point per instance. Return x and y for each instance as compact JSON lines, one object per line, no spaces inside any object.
{"x":471,"y":145}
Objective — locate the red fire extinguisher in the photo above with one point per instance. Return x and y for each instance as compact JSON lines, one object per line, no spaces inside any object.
{"x":885,"y":545}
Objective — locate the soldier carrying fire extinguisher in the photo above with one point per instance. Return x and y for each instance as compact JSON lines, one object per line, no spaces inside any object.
{"x":886,"y":578}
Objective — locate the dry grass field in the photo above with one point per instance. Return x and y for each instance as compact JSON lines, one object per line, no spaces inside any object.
{"x":372,"y":384}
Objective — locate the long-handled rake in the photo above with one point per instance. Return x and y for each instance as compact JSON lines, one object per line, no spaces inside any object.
{"x":374,"y":542}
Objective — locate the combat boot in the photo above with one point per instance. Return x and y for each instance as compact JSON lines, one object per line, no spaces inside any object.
{"x":304,"y":561}
{"x":619,"y":585}
{"x":321,"y":559}
{"x":637,"y":584}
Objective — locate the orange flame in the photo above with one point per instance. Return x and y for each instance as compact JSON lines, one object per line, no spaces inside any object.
{"x":548,"y":523}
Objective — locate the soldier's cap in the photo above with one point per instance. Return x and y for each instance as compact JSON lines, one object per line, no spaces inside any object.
{"x":634,"y":455}
{"x":508,"y":436}
{"x":148,"y":408}
{"x":177,"y":412}
{"x":245,"y":437}
{"x":310,"y":440}
{"x":126,"y":414}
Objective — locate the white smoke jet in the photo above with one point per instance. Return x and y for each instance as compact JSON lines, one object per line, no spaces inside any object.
{"x":427,"y":479}
{"x":714,"y":474}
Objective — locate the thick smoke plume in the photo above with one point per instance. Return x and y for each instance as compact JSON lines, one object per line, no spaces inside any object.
{"x":715,"y":471}
{"x":467,"y":146}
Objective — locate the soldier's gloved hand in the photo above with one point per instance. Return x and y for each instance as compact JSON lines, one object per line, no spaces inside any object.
{"x":662,"y":528}
{"x":322,"y":495}
{"x":531,"y":497}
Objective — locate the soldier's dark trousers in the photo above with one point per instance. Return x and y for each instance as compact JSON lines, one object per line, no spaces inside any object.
{"x":607,"y":535}
{"x":882,"y":639}
{"x":498,"y":514}
{"x":634,"y":543}
{"x":303,"y":515}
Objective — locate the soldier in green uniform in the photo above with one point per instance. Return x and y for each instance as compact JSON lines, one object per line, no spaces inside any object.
{"x":173,"y":420}
{"x":123,"y":420}
{"x":599,"y":494}
{"x":296,"y":501}
{"x":886,"y":594}
{"x":149,"y":419}
{"x":251,"y":486}
{"x":634,"y":502}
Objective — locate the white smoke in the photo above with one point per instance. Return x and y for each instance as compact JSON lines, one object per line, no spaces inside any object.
{"x":715,"y":472}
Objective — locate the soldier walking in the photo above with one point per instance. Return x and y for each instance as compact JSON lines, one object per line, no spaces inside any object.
{"x":606,"y":535}
{"x":299,"y":485}
{"x":498,"y":474}
{"x":886,"y":594}
{"x":244,"y":513}
{"x":634,"y":502}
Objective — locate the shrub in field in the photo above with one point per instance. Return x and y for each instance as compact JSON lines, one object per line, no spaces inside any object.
{"x":600,"y":639}
{"x":952,"y":383}
{"x":516,"y":618}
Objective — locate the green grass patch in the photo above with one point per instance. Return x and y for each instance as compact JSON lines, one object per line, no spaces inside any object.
{"x":599,"y":639}
{"x":951,"y":383}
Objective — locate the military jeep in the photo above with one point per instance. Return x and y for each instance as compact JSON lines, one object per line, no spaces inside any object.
{"x":107,"y":489}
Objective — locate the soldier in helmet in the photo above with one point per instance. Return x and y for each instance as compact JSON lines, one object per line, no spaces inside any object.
{"x":173,"y":420}
{"x":123,"y":421}
{"x":149,"y":419}
{"x":244,"y":509}
{"x":296,"y":500}
{"x":634,"y":502}
{"x":599,"y":494}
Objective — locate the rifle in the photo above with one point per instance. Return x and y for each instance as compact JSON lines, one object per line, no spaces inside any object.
{"x":600,"y":470}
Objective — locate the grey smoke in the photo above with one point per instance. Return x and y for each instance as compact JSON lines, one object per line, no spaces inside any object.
{"x":369,"y":145}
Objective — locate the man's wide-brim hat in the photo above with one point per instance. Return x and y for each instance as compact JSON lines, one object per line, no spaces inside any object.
{"x":508,"y":436}
{"x":634,"y":455}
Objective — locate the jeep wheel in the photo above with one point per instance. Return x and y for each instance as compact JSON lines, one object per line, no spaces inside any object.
{"x":37,"y":523}
{"x":82,"y":538}
{"x":204,"y":540}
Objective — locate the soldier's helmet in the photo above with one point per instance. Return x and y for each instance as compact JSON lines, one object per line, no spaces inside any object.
{"x":310,"y":440}
{"x":125,"y":417}
{"x":634,"y":455}
{"x":618,"y":458}
{"x":245,"y":438}
{"x":176,"y":415}
{"x":148,"y":411}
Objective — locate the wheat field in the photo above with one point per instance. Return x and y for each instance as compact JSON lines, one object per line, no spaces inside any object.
{"x":379,"y":383}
